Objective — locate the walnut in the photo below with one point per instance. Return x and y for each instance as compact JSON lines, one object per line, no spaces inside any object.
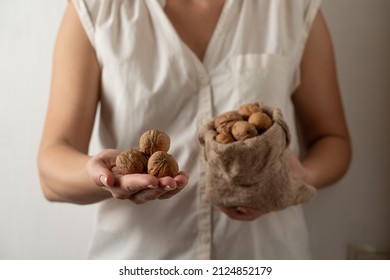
{"x":246,"y":110}
{"x":131,"y":161}
{"x":261,"y":121}
{"x":162,"y":164}
{"x":224,"y":118}
{"x":243,"y":130}
{"x":224,"y":138}
{"x":225,"y":127}
{"x":154,"y":140}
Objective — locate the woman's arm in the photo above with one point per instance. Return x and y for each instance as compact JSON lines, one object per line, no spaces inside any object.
{"x":66,"y":171}
{"x":320,"y":112}
{"x":70,"y":117}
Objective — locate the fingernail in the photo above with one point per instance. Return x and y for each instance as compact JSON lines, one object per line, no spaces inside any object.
{"x":103,"y":180}
{"x":168,"y":188}
{"x":241,"y":210}
{"x":152,"y":187}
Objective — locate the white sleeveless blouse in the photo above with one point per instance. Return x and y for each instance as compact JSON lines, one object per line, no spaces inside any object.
{"x":152,"y":80}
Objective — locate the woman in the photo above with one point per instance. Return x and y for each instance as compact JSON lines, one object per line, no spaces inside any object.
{"x":171,"y":65}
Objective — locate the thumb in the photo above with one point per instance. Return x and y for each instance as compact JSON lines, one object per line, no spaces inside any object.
{"x":297,"y":170}
{"x":106,"y":179}
{"x":99,"y":174}
{"x":99,"y":171}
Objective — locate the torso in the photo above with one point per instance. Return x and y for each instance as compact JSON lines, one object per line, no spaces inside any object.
{"x":194,"y":21}
{"x":150,"y":78}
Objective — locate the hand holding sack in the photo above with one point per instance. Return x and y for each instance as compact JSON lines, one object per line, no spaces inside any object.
{"x":253,"y":170}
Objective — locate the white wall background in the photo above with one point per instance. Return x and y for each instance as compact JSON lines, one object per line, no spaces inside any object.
{"x":355,"y":210}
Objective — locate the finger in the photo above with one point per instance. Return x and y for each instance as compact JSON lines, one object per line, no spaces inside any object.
{"x":118,"y":193}
{"x":296,"y":168}
{"x":181,"y":179}
{"x":170,"y":194}
{"x":242,"y":213}
{"x":183,"y":173}
{"x":146,"y":195}
{"x":139,"y":197}
{"x":234,"y":214}
{"x":99,"y":173}
{"x":105,"y":179}
{"x":167,"y":183}
{"x":251,"y":210}
{"x":134,"y":183}
{"x":99,"y":167}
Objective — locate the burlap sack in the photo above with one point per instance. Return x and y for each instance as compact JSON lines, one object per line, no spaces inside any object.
{"x":254,"y":172}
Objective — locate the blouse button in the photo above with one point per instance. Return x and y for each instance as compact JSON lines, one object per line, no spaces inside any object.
{"x":204,"y":81}
{"x":205,"y":239}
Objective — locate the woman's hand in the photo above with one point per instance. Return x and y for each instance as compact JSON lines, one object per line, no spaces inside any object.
{"x":243,"y":213}
{"x":138,"y":188}
{"x":249,"y":214}
{"x":297,"y":170}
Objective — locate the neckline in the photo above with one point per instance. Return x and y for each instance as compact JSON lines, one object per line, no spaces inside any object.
{"x":221,"y":23}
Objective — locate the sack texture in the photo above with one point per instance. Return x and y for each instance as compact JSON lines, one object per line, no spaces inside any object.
{"x":253,"y":172}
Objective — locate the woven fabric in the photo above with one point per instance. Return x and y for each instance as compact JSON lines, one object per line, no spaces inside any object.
{"x":254,"y":172}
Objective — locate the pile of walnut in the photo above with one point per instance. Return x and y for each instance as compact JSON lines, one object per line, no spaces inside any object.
{"x":248,"y":121}
{"x":152,"y":156}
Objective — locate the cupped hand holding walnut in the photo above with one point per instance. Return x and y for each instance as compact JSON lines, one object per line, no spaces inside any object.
{"x":136,"y":187}
{"x":103,"y":172}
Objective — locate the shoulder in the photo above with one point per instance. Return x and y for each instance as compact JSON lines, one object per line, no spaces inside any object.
{"x":292,"y":18}
{"x":100,"y":10}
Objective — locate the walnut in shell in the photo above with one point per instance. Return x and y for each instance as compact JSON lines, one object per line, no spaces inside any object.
{"x":162,"y":164}
{"x":227,"y":117}
{"x":261,"y":121}
{"x":246,"y":110}
{"x":225,"y":127}
{"x":154,"y":140}
{"x":242,"y":130}
{"x":131,"y":161}
{"x":224,"y":138}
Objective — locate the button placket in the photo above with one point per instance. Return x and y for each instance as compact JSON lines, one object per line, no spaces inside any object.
{"x":203,"y":207}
